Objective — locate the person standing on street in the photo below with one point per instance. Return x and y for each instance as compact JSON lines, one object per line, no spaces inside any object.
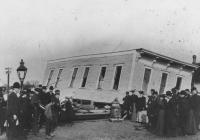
{"x":57,"y":107}
{"x":50,"y":118}
{"x":127,"y":104}
{"x":50,"y":95}
{"x":13,"y":110}
{"x":44,"y":101}
{"x":35,"y":105}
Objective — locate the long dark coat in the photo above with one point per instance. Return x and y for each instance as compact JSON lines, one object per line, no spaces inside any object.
{"x":160,"y":125}
{"x":191,"y":128}
{"x":183,"y":111}
{"x":171,"y":127}
{"x":196,"y":107}
{"x":13,"y":108}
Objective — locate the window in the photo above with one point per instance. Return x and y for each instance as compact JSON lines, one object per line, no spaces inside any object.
{"x":117,"y":77}
{"x":73,"y":77}
{"x":85,"y":76}
{"x":146,"y":79}
{"x":163,"y":83}
{"x":101,"y":77}
{"x":50,"y":76}
{"x":178,"y":82}
{"x":58,"y":77}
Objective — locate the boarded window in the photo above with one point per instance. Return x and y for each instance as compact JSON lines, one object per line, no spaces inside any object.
{"x":85,"y":76}
{"x":50,"y":76}
{"x":73,"y":77}
{"x":101,"y":77}
{"x":178,"y":82}
{"x":146,"y":79}
{"x":117,"y":77}
{"x":163,"y":83}
{"x":58,"y":77}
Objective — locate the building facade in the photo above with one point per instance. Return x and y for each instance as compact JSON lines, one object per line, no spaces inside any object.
{"x":105,"y":76}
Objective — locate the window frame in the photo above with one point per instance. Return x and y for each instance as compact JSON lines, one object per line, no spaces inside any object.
{"x":98,"y":79}
{"x":72,"y":77}
{"x":50,"y":75}
{"x":165,"y":82}
{"x":179,"y":76}
{"x":114,"y":74}
{"x":83,"y":76}
{"x":60,"y":70}
{"x":146,"y":67}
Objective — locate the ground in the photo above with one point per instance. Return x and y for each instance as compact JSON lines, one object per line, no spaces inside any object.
{"x":104,"y":130}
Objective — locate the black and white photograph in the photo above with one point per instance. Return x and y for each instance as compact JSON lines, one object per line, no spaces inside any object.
{"x":99,"y":70}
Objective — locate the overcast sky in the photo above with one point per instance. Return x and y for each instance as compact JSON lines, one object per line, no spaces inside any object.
{"x":38,"y":30}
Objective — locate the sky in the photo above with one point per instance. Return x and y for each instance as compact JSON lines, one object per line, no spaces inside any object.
{"x":39,"y":30}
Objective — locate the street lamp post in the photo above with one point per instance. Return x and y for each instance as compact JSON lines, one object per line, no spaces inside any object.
{"x":21,"y":72}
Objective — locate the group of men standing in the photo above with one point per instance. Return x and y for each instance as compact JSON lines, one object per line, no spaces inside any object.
{"x":28,"y":109}
{"x":134,"y":105}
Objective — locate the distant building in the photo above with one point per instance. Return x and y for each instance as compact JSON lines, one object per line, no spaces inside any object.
{"x":105,"y":76}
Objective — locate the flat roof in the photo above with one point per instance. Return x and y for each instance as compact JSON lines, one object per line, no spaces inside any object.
{"x":140,"y":50}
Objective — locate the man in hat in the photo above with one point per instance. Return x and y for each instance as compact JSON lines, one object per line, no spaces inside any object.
{"x":133,"y":104}
{"x":152,"y":110}
{"x":140,"y":106}
{"x":127,"y":104}
{"x":13,"y":110}
{"x":195,"y":100}
{"x":183,"y":111}
{"x":44,"y":99}
{"x":35,"y":101}
{"x":57,"y":107}
{"x":25,"y":110}
{"x":50,"y":118}
{"x":2,"y":111}
{"x":50,"y":95}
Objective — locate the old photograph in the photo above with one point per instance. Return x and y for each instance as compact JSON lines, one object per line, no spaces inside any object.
{"x":100,"y":70}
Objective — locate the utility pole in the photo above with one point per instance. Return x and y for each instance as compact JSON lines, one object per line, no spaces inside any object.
{"x":8,"y":71}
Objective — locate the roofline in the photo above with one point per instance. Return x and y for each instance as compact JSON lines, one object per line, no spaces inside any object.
{"x":166,"y":57}
{"x":93,"y":54}
{"x":130,"y":50}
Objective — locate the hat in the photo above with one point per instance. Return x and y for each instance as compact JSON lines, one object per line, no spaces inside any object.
{"x":182,"y":93}
{"x":162,"y":95}
{"x":16,"y":85}
{"x":37,"y":89}
{"x":168,"y":93}
{"x":51,"y":88}
{"x":187,"y":90}
{"x":141,"y":92}
{"x":132,"y":91}
{"x":40,"y":86}
{"x":57,"y":92}
{"x":44,"y":87}
{"x":193,"y":88}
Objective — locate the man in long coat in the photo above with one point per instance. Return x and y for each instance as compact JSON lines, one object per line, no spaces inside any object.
{"x":196,"y":105}
{"x":13,"y":110}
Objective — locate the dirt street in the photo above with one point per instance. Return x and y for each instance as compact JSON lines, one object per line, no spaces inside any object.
{"x":103,"y":130}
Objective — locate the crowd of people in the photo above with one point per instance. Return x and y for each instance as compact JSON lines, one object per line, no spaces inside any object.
{"x":175,"y":113}
{"x":27,"y":111}
{"x":171,"y":114}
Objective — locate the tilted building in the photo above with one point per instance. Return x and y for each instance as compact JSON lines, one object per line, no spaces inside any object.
{"x":105,"y":76}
